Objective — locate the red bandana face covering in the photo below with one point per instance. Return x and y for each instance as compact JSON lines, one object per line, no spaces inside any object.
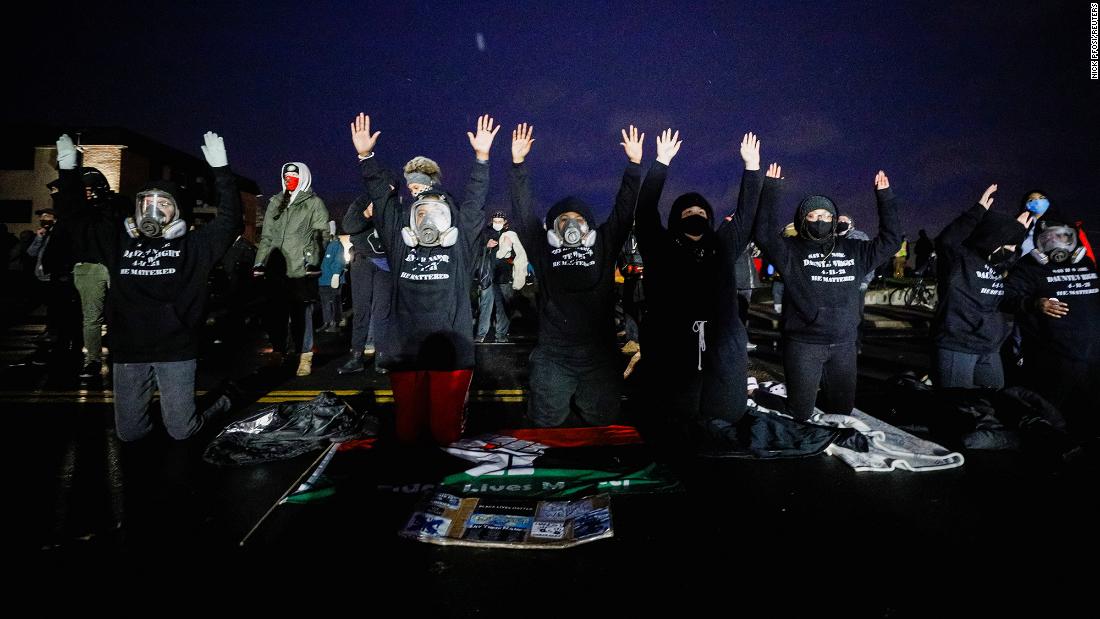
{"x":291,"y":183}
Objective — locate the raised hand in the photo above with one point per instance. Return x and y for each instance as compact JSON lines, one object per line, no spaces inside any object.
{"x":482,"y":141}
{"x":1053,"y":307}
{"x":213,"y":149}
{"x":881,"y":181}
{"x":668,"y":144}
{"x":66,"y":152}
{"x":750,"y":151}
{"x":987,"y":197}
{"x":632,"y":144}
{"x":774,"y":171}
{"x":361,"y":136}
{"x":1025,"y":219}
{"x":521,"y":142}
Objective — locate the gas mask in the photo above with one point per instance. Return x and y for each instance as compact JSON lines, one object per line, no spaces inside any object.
{"x":156,"y":214}
{"x":430,"y":222}
{"x":570,"y":232}
{"x":1057,"y":243}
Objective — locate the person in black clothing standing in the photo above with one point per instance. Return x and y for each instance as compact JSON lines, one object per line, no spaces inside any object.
{"x":371,"y":285}
{"x":158,"y":293}
{"x":502,"y":271}
{"x":1055,"y":292}
{"x":975,"y":251}
{"x":923,"y":250}
{"x":694,"y":339}
{"x":821,"y":301}
{"x":575,"y":367}
{"x":84,"y":245}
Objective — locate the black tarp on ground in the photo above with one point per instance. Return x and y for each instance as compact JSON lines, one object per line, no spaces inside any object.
{"x":289,"y":429}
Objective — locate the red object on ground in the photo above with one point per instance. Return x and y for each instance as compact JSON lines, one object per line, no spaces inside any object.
{"x":578,"y":437}
{"x":436,"y":399}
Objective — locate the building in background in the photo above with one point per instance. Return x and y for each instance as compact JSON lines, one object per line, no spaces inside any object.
{"x":28,"y":161}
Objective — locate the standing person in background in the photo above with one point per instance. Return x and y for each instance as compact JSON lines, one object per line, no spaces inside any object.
{"x":747,"y":279}
{"x":924,"y":250}
{"x":507,"y":271}
{"x":901,"y":258}
{"x":332,"y":279}
{"x":293,"y":225}
{"x":371,"y":284}
{"x":53,"y":270}
{"x":88,"y":226}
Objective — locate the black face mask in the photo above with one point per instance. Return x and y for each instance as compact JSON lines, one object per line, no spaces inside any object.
{"x":817,"y":230}
{"x":843,"y":228}
{"x":695,"y":225}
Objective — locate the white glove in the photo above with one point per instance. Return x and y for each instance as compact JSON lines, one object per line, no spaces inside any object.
{"x":66,"y":153}
{"x":335,"y":281}
{"x":214,"y":150}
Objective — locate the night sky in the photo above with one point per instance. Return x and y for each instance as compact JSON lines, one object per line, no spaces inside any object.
{"x":946,"y":97}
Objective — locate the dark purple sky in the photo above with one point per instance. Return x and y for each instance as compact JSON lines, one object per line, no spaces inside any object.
{"x":946,"y":97}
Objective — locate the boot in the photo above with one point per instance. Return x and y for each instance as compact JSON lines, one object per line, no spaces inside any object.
{"x":353,"y":365}
{"x":305,"y":364}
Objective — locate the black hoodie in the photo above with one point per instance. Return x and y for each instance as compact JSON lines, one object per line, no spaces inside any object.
{"x":431,"y":321}
{"x":821,"y":300}
{"x":1075,"y":335}
{"x":158,"y":288}
{"x":87,"y":231}
{"x":688,"y":281}
{"x":970,"y":288}
{"x":576,"y":284}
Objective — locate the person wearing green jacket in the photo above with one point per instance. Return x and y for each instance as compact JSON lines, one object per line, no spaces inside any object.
{"x":293,"y":225}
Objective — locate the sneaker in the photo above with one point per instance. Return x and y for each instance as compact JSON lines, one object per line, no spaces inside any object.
{"x":479,"y":340}
{"x":91,"y":369}
{"x":380,"y":370}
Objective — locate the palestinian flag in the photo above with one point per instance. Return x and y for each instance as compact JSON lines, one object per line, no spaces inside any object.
{"x":557,"y":462}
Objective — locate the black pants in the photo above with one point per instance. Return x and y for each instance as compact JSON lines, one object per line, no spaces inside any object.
{"x":63,"y":314}
{"x":370,"y":301}
{"x":574,"y":385}
{"x":830,"y":366}
{"x":682,"y":400}
{"x":1071,"y":385}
